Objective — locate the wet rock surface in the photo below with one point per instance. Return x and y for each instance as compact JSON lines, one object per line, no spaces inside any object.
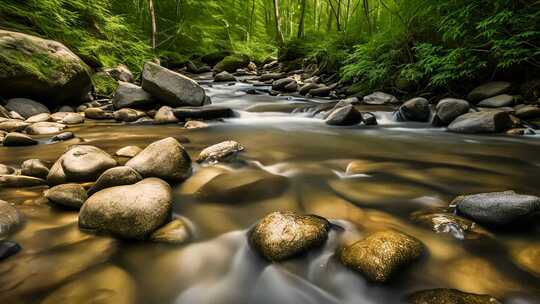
{"x":481,"y":122}
{"x":118,"y":176}
{"x":382,"y":254}
{"x":10,"y":219}
{"x":449,"y":296}
{"x":68,"y":195}
{"x":15,"y":139}
{"x":345,"y":116}
{"x":283,"y":235}
{"x":174,"y":232}
{"x":220,"y":152}
{"x":132,"y":212}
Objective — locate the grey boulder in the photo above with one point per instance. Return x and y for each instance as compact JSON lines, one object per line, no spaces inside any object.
{"x":449,"y":109}
{"x":170,"y":87}
{"x":416,"y":109}
{"x":34,"y":167}
{"x":26,"y":107}
{"x":380,"y":98}
{"x":344,"y":116}
{"x":481,"y":122}
{"x":498,"y":101}
{"x":129,"y":95}
{"x":488,"y":90}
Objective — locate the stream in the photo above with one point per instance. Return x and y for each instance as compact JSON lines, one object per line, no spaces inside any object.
{"x":292,"y":161}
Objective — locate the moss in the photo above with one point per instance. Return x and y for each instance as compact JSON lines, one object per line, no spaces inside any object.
{"x":232,"y":63}
{"x":104,"y":84}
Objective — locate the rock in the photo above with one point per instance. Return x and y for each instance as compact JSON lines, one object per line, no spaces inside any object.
{"x":344,"y":116}
{"x":488,"y":90}
{"x":166,"y":159}
{"x":416,"y":109}
{"x":34,"y":168}
{"x":6,"y":170}
{"x":449,"y":109}
{"x":521,"y":131}
{"x":283,"y":235}
{"x":498,"y":208}
{"x":59,"y":116}
{"x":271,"y":65}
{"x":10,"y":219}
{"x":528,"y":112}
{"x":175,"y":232}
{"x":15,"y":139}
{"x":45,"y":128}
{"x":20,"y":181}
{"x":13,"y":125}
{"x":28,"y":70}
{"x":279,"y":85}
{"x":380,"y":98}
{"x":68,"y":195}
{"x":16,"y":115}
{"x":43,"y":117}
{"x":305,"y":89}
{"x":107,"y":284}
{"x":129,"y":95}
{"x":224,"y":77}
{"x":527,"y":257}
{"x":129,"y":151}
{"x":204,"y":113}
{"x":369,"y":119}
{"x":118,"y":176}
{"x":113,"y":210}
{"x":497,"y":101}
{"x":449,"y":296}
{"x":220,"y":152}
{"x":97,"y":113}
{"x":81,"y":163}
{"x":121,"y":73}
{"x":443,"y":222}
{"x":8,"y":248}
{"x":26,"y":107}
{"x":271,"y":76}
{"x":127,"y":115}
{"x":63,"y":136}
{"x":195,"y":124}
{"x":170,"y":87}
{"x":72,"y":119}
{"x":231,"y":63}
{"x":165,"y":115}
{"x":381,"y":254}
{"x":481,"y":122}
{"x":68,"y":109}
{"x":291,"y":87}
{"x":321,"y":91}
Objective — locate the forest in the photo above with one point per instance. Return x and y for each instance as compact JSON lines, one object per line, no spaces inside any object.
{"x":270,"y":151}
{"x":405,"y":46}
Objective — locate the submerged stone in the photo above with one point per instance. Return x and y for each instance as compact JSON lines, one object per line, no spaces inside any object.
{"x":283,"y":235}
{"x":443,"y":222}
{"x":449,"y":296}
{"x":382,"y":254}
{"x":175,"y":232}
{"x":220,"y":152}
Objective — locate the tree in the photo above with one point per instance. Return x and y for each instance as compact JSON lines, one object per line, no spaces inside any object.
{"x":152,"y":10}
{"x":279,"y":34}
{"x":302,"y":19}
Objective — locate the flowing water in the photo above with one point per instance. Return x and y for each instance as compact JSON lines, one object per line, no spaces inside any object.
{"x":292,"y":161}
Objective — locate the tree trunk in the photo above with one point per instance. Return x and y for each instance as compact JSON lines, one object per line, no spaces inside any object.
{"x":279,"y":33}
{"x":366,"y":13}
{"x":251,"y":19}
{"x":302,"y":20}
{"x":152,"y":10}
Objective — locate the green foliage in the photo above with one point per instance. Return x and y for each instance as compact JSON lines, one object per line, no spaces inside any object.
{"x":104,"y":84}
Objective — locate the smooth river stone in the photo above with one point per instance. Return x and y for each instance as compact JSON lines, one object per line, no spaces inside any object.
{"x":381,"y":254}
{"x":16,"y":181}
{"x":283,"y":235}
{"x":449,"y":296}
{"x":220,"y":152}
{"x":35,"y":168}
{"x":10,"y":219}
{"x":117,"y":176}
{"x":68,"y":195}
{"x":15,"y":139}
{"x":174,"y":232}
{"x":129,"y":151}
{"x":45,"y":128}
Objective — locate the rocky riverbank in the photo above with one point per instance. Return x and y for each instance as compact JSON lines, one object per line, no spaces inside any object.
{"x":133,"y":194}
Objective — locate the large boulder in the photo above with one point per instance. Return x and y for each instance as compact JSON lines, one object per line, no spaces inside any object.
{"x":481,"y":122}
{"x":416,"y":109}
{"x":129,"y":95}
{"x":488,"y":90}
{"x":344,"y":116}
{"x":220,"y":152}
{"x":118,"y":176}
{"x":449,"y":296}
{"x":81,"y":163}
{"x":40,"y":69}
{"x":132,"y":212}
{"x":68,"y":195}
{"x":26,"y":107}
{"x":498,"y":208}
{"x":498,"y":101}
{"x":381,"y":254}
{"x":224,"y":77}
{"x":231,"y":63}
{"x":166,"y":159}
{"x":170,"y":87}
{"x":10,"y":219}
{"x":282,"y":235}
{"x":449,"y":109}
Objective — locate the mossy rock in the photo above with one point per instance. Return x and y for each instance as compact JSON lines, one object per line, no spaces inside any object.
{"x":173,"y":60}
{"x":232,"y":63}
{"x":104,"y":84}
{"x":39,"y":69}
{"x":214,"y":58}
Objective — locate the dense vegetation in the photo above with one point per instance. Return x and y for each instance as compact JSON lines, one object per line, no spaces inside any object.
{"x":403,"y":46}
